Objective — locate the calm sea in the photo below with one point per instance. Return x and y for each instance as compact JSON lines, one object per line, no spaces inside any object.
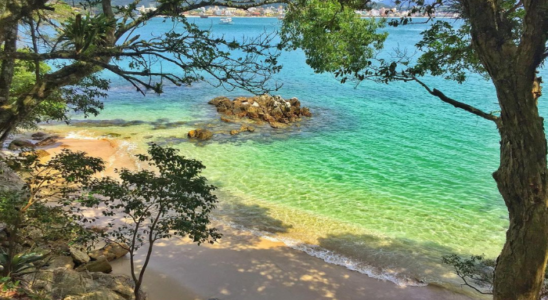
{"x":384,"y":179}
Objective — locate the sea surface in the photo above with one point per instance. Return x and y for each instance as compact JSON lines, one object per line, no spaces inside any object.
{"x":383,"y":179}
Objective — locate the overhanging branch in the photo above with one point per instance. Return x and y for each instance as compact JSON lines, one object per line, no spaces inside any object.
{"x":458,"y":104}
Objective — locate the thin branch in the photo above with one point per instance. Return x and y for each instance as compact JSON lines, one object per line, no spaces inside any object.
{"x":514,"y":8}
{"x":458,"y":104}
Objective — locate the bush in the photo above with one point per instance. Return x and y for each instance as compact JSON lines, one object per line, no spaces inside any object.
{"x":174,"y":201}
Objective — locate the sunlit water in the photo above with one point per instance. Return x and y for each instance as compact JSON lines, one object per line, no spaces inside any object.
{"x":385,"y":179}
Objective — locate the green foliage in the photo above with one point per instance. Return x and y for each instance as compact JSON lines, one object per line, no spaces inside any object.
{"x":175,"y":201}
{"x":83,"y":97}
{"x":7,"y":283}
{"x":336,"y":40}
{"x":448,"y":52}
{"x":333,"y":37}
{"x":60,"y":177}
{"x":48,"y":204}
{"x":21,"y":263}
{"x":477,"y":272}
{"x":85,"y":33}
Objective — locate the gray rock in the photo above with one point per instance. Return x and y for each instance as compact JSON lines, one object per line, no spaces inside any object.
{"x":99,"y":265}
{"x":78,"y":256}
{"x":101,"y":294}
{"x":69,"y":282}
{"x":121,"y":284}
{"x":111,"y":251}
{"x":20,"y":144}
{"x":40,"y":281}
{"x":38,"y":136}
{"x":10,"y":182}
{"x":65,"y":262}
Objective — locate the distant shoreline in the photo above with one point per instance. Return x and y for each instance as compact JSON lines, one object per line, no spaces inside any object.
{"x":265,"y":17}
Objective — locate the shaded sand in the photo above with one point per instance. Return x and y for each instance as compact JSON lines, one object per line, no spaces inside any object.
{"x":246,"y":267}
{"x":243,"y":266}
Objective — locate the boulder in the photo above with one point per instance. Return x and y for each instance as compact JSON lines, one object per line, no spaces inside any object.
{"x":278,"y":125}
{"x":101,"y":294}
{"x":39,"y":281}
{"x":227,"y":120}
{"x":50,"y":140}
{"x":200,"y":134}
{"x":192,"y":134}
{"x":111,"y":251}
{"x":10,"y":182}
{"x":306,"y":112}
{"x":100,"y":265}
{"x":120,"y":284}
{"x":260,"y":108}
{"x":38,"y":136}
{"x":78,"y":256}
{"x":65,"y":262}
{"x":69,"y":282}
{"x":217,"y":100}
{"x":204,"y":134}
{"x":20,"y":144}
{"x":234,"y":132}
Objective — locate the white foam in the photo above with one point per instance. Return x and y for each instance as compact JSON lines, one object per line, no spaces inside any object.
{"x":81,"y":135}
{"x":333,"y":258}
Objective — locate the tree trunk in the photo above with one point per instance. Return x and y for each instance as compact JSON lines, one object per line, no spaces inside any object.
{"x":522,"y":181}
{"x":7,"y":69}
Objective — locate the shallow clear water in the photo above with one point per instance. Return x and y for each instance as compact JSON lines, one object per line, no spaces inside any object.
{"x":383,"y":174}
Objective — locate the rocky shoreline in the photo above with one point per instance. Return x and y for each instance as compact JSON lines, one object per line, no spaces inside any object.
{"x":257,"y":110}
{"x":61,"y":270}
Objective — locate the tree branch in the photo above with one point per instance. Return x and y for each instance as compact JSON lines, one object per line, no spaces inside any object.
{"x":458,"y":104}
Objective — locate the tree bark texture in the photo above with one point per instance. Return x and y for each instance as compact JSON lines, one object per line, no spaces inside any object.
{"x":522,"y":182}
{"x":521,"y":177}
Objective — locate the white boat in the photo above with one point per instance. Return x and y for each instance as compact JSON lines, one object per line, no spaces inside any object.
{"x":226,"y":20}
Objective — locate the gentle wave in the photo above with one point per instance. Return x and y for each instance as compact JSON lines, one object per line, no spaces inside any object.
{"x":332,"y":257}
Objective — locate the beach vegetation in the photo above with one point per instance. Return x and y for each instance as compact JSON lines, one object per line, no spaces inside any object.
{"x":477,"y":273}
{"x":99,"y":37}
{"x":502,"y":41}
{"x":45,"y":205}
{"x":174,"y":201}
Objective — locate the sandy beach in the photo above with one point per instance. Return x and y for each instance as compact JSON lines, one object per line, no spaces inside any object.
{"x":243,"y":266}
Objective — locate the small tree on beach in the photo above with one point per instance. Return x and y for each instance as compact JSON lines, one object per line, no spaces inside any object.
{"x":175,"y":201}
{"x":503,"y":40}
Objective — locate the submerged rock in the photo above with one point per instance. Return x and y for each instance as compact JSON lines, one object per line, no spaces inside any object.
{"x":200,"y":134}
{"x":106,"y":123}
{"x":50,"y":140}
{"x":21,"y":144}
{"x":38,"y":136}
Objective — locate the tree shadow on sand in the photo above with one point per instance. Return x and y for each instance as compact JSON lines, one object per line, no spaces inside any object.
{"x":249,"y":271}
{"x":250,"y":216}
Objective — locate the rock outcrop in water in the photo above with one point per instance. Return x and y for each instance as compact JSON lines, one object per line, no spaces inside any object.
{"x":274,"y":110}
{"x":200,"y":134}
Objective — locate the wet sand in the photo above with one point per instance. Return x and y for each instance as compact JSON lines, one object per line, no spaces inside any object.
{"x":243,"y":266}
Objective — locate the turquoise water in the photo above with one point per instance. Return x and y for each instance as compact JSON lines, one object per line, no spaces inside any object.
{"x":383,"y":179}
